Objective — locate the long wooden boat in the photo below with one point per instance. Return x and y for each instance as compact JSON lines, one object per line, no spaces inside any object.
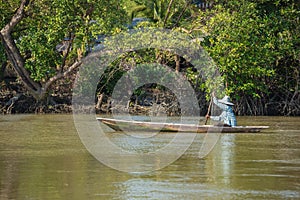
{"x":119,"y":125}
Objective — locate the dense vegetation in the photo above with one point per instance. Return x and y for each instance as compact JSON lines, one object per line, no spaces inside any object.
{"x":255,"y":44}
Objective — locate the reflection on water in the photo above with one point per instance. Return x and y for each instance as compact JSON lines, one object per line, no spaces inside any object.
{"x":41,"y":157}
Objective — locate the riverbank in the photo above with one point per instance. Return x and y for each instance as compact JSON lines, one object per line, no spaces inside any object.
{"x":14,"y":99}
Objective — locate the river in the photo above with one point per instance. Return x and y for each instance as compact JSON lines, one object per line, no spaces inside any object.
{"x":42,"y":157}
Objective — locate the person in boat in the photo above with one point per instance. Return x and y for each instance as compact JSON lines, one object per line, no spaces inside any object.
{"x":227,"y":116}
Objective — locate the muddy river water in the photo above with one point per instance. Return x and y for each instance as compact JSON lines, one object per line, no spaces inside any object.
{"x":42,"y":157}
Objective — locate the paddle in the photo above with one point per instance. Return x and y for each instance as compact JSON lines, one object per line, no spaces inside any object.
{"x":210,"y":139}
{"x":208,"y":111}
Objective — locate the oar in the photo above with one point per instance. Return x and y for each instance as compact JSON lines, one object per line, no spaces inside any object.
{"x":208,"y":110}
{"x":210,"y":139}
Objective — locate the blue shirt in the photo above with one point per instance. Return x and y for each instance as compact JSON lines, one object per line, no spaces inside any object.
{"x":227,"y":116}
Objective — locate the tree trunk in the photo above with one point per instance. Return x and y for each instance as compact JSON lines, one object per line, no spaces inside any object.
{"x":37,"y":89}
{"x":177,"y":61}
{"x":2,"y":70}
{"x":99,"y":102}
{"x":13,"y":52}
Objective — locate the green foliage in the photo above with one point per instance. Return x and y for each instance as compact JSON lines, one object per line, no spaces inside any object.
{"x":247,"y":43}
{"x":157,"y":11}
{"x":148,"y":46}
{"x":254,"y":44}
{"x":51,"y":23}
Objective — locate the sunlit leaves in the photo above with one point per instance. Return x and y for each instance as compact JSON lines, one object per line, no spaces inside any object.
{"x":73,"y":24}
{"x":246,"y":44}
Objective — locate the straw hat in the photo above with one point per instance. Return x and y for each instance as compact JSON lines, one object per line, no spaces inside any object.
{"x":226,"y":100}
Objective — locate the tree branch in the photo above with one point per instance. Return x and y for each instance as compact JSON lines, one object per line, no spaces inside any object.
{"x":182,"y":12}
{"x":60,"y":75}
{"x":70,"y":42}
{"x":168,"y":12}
{"x":18,"y":16}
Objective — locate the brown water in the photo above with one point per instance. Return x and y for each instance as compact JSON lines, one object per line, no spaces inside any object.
{"x":42,"y":157}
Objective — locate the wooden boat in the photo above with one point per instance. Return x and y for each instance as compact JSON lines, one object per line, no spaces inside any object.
{"x":131,"y":125}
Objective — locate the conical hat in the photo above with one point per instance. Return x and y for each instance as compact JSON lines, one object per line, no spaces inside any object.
{"x":226,"y":100}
